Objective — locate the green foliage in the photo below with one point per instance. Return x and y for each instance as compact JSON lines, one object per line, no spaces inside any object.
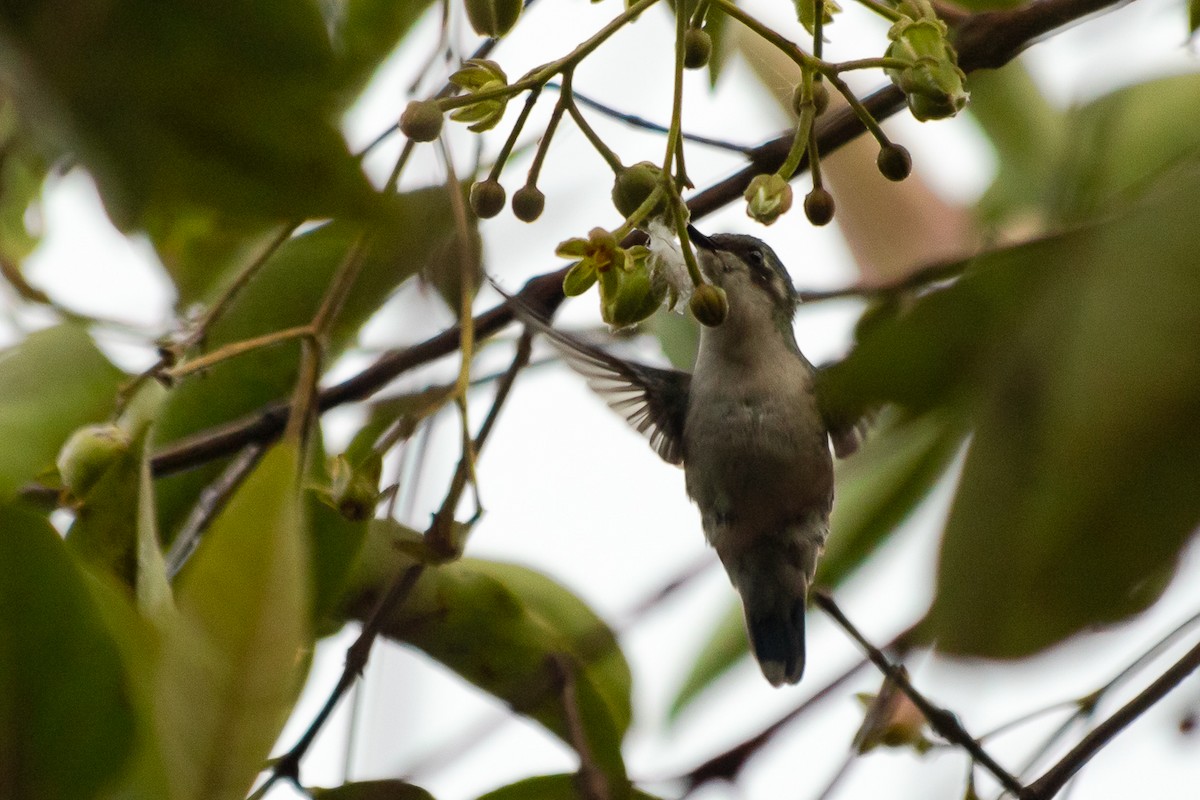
{"x":235,"y":655}
{"x":1081,"y":403}
{"x":216,"y":106}
{"x":50,"y":384}
{"x":372,"y":790}
{"x":286,"y":293}
{"x":59,"y":665}
{"x":512,"y":632}
{"x":549,"y":787}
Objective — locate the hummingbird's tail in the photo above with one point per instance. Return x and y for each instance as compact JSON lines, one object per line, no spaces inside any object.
{"x":773,"y":577}
{"x":775,"y":622}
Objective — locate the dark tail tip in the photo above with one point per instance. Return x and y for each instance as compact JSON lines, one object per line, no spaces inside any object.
{"x":778,"y":643}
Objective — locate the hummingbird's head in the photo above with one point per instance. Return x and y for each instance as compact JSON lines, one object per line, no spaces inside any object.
{"x":747,"y":269}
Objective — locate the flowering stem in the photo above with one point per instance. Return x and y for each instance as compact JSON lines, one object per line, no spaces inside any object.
{"x":511,"y":141}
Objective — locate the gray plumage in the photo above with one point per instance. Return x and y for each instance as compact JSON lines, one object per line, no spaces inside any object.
{"x":749,"y":432}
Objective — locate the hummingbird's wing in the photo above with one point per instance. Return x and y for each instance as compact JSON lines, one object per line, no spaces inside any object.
{"x":652,"y":400}
{"x":848,"y":427}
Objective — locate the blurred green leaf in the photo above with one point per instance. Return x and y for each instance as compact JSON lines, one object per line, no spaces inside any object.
{"x":502,"y":627}
{"x":286,"y":293}
{"x":717,"y":25}
{"x":115,"y":531}
{"x":364,"y":33}
{"x":1030,"y":136}
{"x":679,"y":336}
{"x":1193,"y":15}
{"x":235,"y":656}
{"x":23,"y":167}
{"x":1122,"y":142}
{"x":725,"y":647}
{"x":549,"y":787}
{"x":1078,"y":492}
{"x":50,"y":384}
{"x":59,"y":666}
{"x":372,"y":790}
{"x":225,"y":106}
{"x":878,"y":487}
{"x":445,"y":267}
{"x":336,"y":542}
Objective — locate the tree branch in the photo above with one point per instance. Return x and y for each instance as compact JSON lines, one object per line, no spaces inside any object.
{"x":1057,"y":776}
{"x":941,"y":720}
{"x":984,"y":40}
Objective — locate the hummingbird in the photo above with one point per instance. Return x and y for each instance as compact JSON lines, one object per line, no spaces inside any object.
{"x":750,"y":434}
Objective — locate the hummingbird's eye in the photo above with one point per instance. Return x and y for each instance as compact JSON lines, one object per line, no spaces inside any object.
{"x":756,"y":257}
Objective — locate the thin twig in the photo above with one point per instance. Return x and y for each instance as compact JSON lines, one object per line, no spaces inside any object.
{"x":726,"y":766}
{"x":287,"y":766}
{"x":1057,"y":776}
{"x":519,"y":362}
{"x":212,"y":499}
{"x":592,"y":781}
{"x":941,"y":720}
{"x":642,"y":122}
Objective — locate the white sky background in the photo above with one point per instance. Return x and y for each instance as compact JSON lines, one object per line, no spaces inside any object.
{"x":571,"y":490}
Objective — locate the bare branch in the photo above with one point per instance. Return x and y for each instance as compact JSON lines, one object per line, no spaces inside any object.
{"x":1057,"y":776}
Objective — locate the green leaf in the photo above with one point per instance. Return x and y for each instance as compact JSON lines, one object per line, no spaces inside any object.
{"x":287,"y":293}
{"x":726,"y":646}
{"x":22,"y":170}
{"x":50,"y":384}
{"x":1030,"y":136}
{"x":235,"y":656}
{"x":716,"y":22}
{"x":364,"y":33}
{"x":372,"y":790}
{"x":549,"y":787}
{"x":1193,"y":16}
{"x":679,"y":336}
{"x":1122,"y":142}
{"x":1078,"y":492}
{"x":224,"y":106}
{"x":502,"y":627}
{"x":59,"y":666}
{"x":878,"y":487}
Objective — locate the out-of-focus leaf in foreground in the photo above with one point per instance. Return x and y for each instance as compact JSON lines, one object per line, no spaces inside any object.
{"x":235,"y":656}
{"x":1073,"y":356}
{"x":67,"y":724}
{"x":550,"y":787}
{"x":512,"y":632}
{"x":50,"y":384}
{"x":225,"y":106}
{"x":372,"y":790}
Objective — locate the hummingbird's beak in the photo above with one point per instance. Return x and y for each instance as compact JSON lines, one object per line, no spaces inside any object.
{"x":699,"y":239}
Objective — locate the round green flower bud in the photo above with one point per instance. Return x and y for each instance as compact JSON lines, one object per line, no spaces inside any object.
{"x":768,"y":197}
{"x":527,"y":203}
{"x":421,"y":120}
{"x":87,"y":454}
{"x":487,"y":198}
{"x":697,"y":48}
{"x":894,"y":162}
{"x":818,"y":206}
{"x":633,"y":185}
{"x":709,"y":305}
{"x":493,"y":18}
{"x":820,"y":97}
